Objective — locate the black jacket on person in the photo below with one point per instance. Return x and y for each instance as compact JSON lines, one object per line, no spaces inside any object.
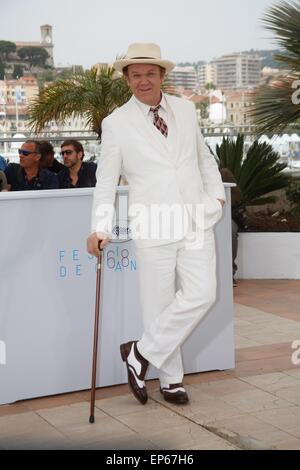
{"x":56,"y":166}
{"x":86,"y":176}
{"x":16,"y":177}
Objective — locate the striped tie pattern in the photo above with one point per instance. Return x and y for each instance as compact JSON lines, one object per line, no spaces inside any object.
{"x":159,"y":122}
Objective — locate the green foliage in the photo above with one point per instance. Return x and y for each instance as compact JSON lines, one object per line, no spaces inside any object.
{"x":47,"y":75}
{"x":65,"y":74}
{"x":257,"y":173}
{"x":90,"y":94}
{"x":274,"y":107}
{"x":283,"y":19}
{"x":203,"y":106}
{"x":34,"y":55}
{"x":6,"y":48}
{"x":2,"y":70}
{"x":267,"y":57}
{"x":293,"y":196}
{"x":210,"y":86}
{"x":18,"y":71}
{"x":274,"y":110}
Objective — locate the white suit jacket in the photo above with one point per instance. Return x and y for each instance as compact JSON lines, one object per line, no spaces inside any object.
{"x":185,"y":174}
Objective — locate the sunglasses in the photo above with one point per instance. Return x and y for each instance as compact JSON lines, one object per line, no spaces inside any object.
{"x":25,"y":152}
{"x":67,"y":152}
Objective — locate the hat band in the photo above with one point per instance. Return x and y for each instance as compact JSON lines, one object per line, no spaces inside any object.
{"x":154,"y":58}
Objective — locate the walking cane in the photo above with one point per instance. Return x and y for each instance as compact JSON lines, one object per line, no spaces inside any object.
{"x":96,"y":329}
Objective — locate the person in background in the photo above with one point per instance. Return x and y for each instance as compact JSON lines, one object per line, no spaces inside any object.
{"x":3,"y":163}
{"x":3,"y":182}
{"x":76,"y":173}
{"x":236,"y":196}
{"x":47,"y":158}
{"x":28,"y":175}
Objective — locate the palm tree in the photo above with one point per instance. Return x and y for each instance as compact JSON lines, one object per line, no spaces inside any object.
{"x":257,"y":173}
{"x":92,"y":94}
{"x":276,"y":105}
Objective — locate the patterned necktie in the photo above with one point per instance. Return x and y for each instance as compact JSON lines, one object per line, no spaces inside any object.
{"x":159,"y":122}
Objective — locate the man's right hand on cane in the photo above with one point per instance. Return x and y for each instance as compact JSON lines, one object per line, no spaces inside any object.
{"x":95,"y":240}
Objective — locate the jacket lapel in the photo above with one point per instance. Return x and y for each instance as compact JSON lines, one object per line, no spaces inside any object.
{"x":179,"y":123}
{"x":143,"y":126}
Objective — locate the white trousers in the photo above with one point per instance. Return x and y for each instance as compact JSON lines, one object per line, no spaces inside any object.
{"x":177,"y":288}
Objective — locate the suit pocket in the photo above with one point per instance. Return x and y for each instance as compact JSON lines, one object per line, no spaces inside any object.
{"x":211,"y":203}
{"x":212,"y":210}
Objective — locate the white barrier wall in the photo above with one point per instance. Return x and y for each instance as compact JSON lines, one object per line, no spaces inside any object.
{"x":47,"y":295}
{"x":268,"y":255}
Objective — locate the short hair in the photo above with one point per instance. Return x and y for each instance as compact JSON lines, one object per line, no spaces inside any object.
{"x":77,"y":145}
{"x":46,"y":148}
{"x":36,"y":143}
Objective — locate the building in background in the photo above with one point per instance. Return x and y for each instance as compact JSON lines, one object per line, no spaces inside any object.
{"x":24,"y":89}
{"x":46,"y":42}
{"x":64,"y":71}
{"x":15,"y":96}
{"x":237,"y":71}
{"x":269,"y":73}
{"x":237,"y":104}
{"x":184,"y":77}
{"x":206,"y":75}
{"x":201,"y":73}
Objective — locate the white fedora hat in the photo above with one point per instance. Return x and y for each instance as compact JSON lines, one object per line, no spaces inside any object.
{"x":143,"y":53}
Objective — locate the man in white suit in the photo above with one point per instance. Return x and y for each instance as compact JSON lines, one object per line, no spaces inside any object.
{"x":154,"y":140}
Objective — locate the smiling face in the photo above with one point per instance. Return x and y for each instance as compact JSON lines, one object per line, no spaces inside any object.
{"x":145,"y":82}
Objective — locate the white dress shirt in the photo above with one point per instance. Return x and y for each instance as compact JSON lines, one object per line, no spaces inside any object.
{"x":166,"y":113}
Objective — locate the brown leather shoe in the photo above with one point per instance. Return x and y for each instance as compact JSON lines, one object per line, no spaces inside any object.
{"x":175,"y":394}
{"x":135,"y":380}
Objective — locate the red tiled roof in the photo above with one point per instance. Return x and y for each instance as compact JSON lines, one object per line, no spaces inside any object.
{"x":215,"y":100}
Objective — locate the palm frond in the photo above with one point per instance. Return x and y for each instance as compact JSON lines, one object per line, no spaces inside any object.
{"x":283,"y":19}
{"x":275,"y":106}
{"x":230,"y":154}
{"x":257,"y":173}
{"x":92,"y":94}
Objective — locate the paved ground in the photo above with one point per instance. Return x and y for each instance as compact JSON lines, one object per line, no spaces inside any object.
{"x":255,"y":406}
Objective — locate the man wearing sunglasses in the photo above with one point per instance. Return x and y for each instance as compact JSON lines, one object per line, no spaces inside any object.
{"x":28,"y":175}
{"x":77,"y":173}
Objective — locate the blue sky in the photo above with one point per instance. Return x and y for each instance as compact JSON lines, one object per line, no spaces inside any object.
{"x":90,"y":31}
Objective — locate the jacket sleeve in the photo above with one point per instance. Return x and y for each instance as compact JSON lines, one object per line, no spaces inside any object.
{"x":9,"y":173}
{"x":208,"y":167}
{"x":108,"y":173}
